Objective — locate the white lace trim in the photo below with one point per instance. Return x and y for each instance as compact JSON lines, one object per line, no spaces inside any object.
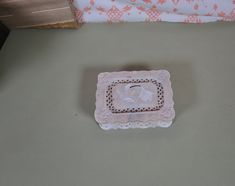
{"x":142,"y":125}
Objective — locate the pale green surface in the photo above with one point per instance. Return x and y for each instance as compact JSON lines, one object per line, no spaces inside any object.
{"x":48,"y":136}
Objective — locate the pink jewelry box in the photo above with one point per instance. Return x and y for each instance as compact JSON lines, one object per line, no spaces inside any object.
{"x":134,"y":99}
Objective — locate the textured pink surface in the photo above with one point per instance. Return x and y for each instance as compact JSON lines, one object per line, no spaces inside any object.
{"x":188,"y":11}
{"x":136,"y":97}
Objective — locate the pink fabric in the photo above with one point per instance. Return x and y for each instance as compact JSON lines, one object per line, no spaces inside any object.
{"x":188,"y":11}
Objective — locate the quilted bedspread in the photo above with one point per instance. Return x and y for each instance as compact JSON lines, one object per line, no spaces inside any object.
{"x":188,"y":11}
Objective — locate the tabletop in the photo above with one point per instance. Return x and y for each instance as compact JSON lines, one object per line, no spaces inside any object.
{"x":48,"y":135}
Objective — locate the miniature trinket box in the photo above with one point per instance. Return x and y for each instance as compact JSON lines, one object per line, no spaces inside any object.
{"x":134,"y":99}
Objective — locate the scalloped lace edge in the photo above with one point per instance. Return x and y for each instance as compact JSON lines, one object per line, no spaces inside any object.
{"x":142,"y":125}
